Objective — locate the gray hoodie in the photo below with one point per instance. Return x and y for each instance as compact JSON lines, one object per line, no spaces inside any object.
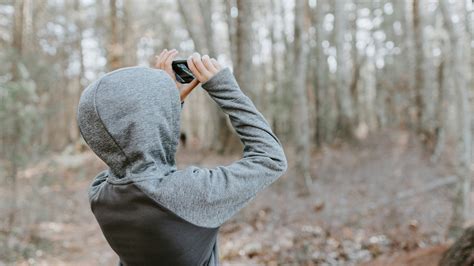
{"x":150,"y":212}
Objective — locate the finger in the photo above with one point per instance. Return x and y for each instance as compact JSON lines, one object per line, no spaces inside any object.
{"x":167,"y":65}
{"x":207,"y":63}
{"x":163,"y":52}
{"x":163,"y":58}
{"x":216,"y":64}
{"x":169,"y":68}
{"x":170,"y":58}
{"x":159,"y":58}
{"x":193,"y":69}
{"x":166,"y":56}
{"x":200,"y":66}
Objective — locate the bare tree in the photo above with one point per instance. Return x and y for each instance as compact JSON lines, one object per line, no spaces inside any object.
{"x":302,"y":140}
{"x":321,"y":74}
{"x":74,"y":132}
{"x":243,"y":65}
{"x":421,"y":85}
{"x":380,"y":88}
{"x":357,"y":62}
{"x":459,"y":64}
{"x":230,"y":7}
{"x":406,"y":82}
{"x":275,"y":79}
{"x":195,"y":24}
{"x":129,"y":34}
{"x":344,"y":103}
{"x":443,"y":83}
{"x":114,"y":48}
{"x":17,"y":43}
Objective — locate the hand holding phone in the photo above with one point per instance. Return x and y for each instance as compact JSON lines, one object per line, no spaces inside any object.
{"x":203,"y":68}
{"x":164,"y":61}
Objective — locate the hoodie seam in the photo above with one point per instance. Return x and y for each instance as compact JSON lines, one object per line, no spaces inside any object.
{"x":102,"y":123}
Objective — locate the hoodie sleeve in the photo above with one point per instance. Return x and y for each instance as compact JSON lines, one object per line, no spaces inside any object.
{"x":209,"y":197}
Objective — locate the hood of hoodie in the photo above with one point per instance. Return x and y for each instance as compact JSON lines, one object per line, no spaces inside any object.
{"x":130,"y":118}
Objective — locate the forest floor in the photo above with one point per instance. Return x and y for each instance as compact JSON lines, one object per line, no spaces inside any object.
{"x":367,"y":207}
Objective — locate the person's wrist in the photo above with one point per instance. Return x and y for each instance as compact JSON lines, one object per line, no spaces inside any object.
{"x":220,"y":76}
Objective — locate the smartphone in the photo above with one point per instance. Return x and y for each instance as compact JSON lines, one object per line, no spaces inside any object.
{"x":182,"y":72}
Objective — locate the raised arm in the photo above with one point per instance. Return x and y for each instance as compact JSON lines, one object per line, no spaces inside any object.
{"x":210,"y":196}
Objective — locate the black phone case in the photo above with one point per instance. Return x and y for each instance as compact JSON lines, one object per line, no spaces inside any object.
{"x":182,"y":72}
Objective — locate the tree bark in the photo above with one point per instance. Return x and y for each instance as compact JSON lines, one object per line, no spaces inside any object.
{"x":380,"y":88}
{"x":460,"y":66}
{"x":243,"y":67}
{"x":302,"y":140}
{"x":357,"y":62}
{"x":17,"y":43}
{"x":73,"y":129}
{"x":344,"y":102}
{"x":461,"y":252}
{"x":405,"y":64}
{"x":194,"y":24}
{"x":129,"y":38}
{"x":423,"y":113}
{"x":441,"y":109}
{"x":231,"y":29}
{"x":206,"y":8}
{"x":115,"y":50}
{"x":321,"y":76}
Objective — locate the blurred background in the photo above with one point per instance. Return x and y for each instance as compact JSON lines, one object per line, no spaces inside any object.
{"x":371,"y":98}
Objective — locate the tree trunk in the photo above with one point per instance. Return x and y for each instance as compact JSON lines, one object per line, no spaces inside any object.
{"x":461,"y":253}
{"x":422,"y":114}
{"x":129,"y":38}
{"x":302,"y":140}
{"x":380,"y":87}
{"x":459,"y":64}
{"x":321,"y":95}
{"x":357,"y":62}
{"x":194,"y":24}
{"x":243,"y":66}
{"x":406,"y":63}
{"x":344,"y":102}
{"x":231,"y":29}
{"x":73,"y":129}
{"x":206,"y":9}
{"x":274,"y":70}
{"x":17,"y":34}
{"x":115,"y":50}
{"x":441,"y":109}
{"x":285,"y":93}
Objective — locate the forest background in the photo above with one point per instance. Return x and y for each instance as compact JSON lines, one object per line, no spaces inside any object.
{"x":372,"y":100}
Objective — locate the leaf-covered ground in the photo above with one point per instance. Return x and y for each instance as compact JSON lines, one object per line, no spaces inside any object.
{"x":353,"y":216}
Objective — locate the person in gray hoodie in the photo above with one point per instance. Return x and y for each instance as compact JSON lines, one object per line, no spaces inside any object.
{"x":151,"y":212}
